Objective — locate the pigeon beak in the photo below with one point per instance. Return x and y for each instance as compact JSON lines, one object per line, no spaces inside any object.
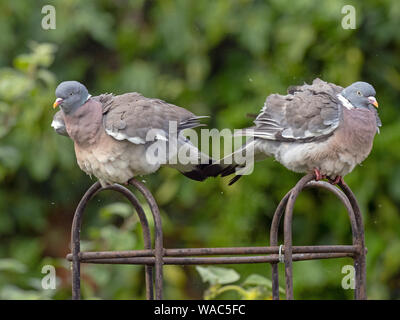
{"x":57,"y":102}
{"x":373,"y":101}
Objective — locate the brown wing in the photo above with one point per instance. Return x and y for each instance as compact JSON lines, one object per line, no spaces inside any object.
{"x":130,"y":116}
{"x":306,"y":113}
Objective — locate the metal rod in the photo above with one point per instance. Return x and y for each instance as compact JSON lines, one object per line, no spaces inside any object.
{"x":274,"y":242}
{"x":217,"y":260}
{"x":76,"y":229}
{"x":75,"y":239}
{"x":356,"y":228}
{"x":287,"y":227}
{"x":158,"y":235}
{"x":360,"y":266}
{"x":213,"y":251}
{"x":159,"y":256}
{"x":145,"y":232}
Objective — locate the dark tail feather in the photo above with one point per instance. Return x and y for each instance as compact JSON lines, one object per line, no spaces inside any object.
{"x":234,"y":179}
{"x":216,"y":169}
{"x":204,"y":171}
{"x":232,"y":169}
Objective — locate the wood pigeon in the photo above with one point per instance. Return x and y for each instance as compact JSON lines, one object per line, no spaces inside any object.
{"x":118,"y":137}
{"x":321,"y":128}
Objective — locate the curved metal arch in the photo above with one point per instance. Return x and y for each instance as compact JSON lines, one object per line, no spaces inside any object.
{"x":286,"y":206}
{"x":76,"y":230}
{"x":158,"y":235}
{"x":184,"y":256}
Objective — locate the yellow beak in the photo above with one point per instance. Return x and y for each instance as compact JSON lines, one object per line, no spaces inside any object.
{"x":57,"y":102}
{"x":373,"y":101}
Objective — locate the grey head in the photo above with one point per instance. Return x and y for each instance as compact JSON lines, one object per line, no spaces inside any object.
{"x":70,"y":96}
{"x":361,"y":95}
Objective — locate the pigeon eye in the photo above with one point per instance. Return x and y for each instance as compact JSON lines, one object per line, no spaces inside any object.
{"x":71,"y":93}
{"x":359,"y":93}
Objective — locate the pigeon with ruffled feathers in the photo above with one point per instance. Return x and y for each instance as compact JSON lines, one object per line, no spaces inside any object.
{"x":115,"y":136}
{"x":321,"y":128}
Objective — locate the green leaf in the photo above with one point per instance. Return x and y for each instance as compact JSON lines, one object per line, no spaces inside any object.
{"x":12,"y":265}
{"x":46,"y":76}
{"x":8,"y":118}
{"x":11,"y":292}
{"x":23,"y":62}
{"x":257,"y":280}
{"x":215,"y":275}
{"x":14,"y":84}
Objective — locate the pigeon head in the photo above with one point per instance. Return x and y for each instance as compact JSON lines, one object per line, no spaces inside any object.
{"x":70,"y":96}
{"x":360,"y":95}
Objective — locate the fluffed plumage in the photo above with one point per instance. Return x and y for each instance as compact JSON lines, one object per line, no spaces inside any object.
{"x":111,"y":133}
{"x":319,"y":126}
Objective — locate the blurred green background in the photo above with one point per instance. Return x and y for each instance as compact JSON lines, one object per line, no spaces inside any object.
{"x":217,"y":58}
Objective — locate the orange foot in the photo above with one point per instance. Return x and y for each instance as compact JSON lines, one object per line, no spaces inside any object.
{"x":318,"y":175}
{"x":337,"y":180}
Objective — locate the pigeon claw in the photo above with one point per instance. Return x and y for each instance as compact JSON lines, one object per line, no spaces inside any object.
{"x":318,"y":175}
{"x":337,"y":180}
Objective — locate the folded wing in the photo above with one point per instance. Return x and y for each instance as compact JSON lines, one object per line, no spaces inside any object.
{"x":131,"y":117}
{"x":306,"y":113}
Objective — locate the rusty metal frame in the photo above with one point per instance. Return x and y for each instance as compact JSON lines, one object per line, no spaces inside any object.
{"x":155,"y":258}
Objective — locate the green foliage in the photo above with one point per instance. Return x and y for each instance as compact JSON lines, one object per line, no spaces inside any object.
{"x":215,"y":275}
{"x":255,"y":287}
{"x":217,"y":58}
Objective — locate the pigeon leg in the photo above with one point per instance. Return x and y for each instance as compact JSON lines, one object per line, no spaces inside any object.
{"x":337,"y":180}
{"x":318,"y":175}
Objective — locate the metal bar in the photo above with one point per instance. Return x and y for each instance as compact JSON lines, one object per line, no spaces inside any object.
{"x":145,"y":232}
{"x":76,"y":228}
{"x":158,"y":235}
{"x":341,"y":196}
{"x":159,"y":256}
{"x":360,"y":292}
{"x":279,"y":213}
{"x":217,"y":260}
{"x":75,"y":239}
{"x":287,"y":226}
{"x":274,"y":242}
{"x":213,"y":251}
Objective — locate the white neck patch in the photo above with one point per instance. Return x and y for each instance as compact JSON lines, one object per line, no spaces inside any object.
{"x":88,"y":97}
{"x":345,"y":102}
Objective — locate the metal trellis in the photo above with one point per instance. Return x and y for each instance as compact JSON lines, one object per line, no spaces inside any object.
{"x":155,"y":258}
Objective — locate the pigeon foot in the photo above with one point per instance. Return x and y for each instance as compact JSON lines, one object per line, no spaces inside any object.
{"x":318,"y":175}
{"x":337,"y":180}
